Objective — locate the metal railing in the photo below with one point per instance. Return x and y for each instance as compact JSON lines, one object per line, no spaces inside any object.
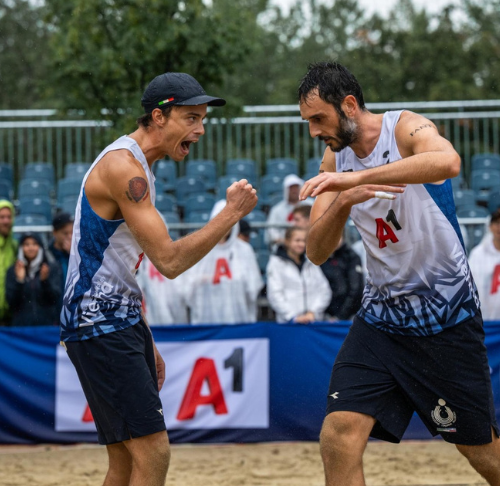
{"x":266,"y":132}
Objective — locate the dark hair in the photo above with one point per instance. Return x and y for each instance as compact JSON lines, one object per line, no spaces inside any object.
{"x":144,"y":121}
{"x":291,"y":230}
{"x":495,"y":216}
{"x":333,"y":82}
{"x":303,"y":210}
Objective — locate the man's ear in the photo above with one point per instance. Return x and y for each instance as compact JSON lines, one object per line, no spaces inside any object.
{"x":349,"y":106}
{"x":158,"y":117}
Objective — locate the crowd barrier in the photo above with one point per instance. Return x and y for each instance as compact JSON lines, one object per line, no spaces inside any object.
{"x":243,"y":383}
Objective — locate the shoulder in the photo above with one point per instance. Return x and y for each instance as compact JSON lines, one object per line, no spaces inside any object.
{"x":120,"y":164}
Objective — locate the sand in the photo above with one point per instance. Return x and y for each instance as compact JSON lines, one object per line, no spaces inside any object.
{"x":270,"y":464}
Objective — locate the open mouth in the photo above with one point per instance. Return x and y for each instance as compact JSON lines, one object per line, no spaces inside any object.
{"x":185,"y":146}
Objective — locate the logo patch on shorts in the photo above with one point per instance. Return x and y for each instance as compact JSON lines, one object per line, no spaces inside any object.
{"x":444,"y":417}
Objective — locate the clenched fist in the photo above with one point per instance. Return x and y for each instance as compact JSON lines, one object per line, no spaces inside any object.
{"x":241,"y":197}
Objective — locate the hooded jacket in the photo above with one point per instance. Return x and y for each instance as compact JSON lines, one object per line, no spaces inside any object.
{"x":8,"y":251}
{"x":484,"y":262}
{"x":224,"y":285}
{"x":33,"y":302}
{"x":281,"y":213}
{"x":294,"y":290}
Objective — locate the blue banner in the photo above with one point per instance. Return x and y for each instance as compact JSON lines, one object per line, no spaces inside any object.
{"x":245,"y":383}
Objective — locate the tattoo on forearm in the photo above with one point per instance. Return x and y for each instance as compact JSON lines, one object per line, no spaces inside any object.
{"x":421,"y":127}
{"x":321,"y":170}
{"x":137,"y":189}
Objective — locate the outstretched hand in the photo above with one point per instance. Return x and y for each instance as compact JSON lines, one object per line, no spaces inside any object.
{"x":360,"y":194}
{"x":241,"y":197}
{"x":327,"y":182}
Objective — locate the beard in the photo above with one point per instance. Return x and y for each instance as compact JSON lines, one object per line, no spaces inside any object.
{"x":346,"y":135}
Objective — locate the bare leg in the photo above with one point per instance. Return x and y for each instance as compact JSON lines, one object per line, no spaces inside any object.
{"x":120,"y":466}
{"x":150,"y":459}
{"x":485,"y":459}
{"x":342,"y":442}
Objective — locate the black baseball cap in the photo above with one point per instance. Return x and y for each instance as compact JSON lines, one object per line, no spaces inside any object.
{"x":61,"y":220}
{"x":177,"y":89}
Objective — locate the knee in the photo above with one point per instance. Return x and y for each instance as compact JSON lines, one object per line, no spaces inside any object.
{"x":347,"y":432}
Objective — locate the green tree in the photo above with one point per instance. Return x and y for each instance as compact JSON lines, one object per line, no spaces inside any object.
{"x":106,"y":51}
{"x":23,"y":55}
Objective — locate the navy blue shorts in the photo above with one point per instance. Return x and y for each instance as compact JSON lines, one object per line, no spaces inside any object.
{"x":445,"y":378}
{"x":117,"y":372}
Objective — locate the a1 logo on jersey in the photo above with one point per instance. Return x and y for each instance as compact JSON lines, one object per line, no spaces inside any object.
{"x":209,"y":384}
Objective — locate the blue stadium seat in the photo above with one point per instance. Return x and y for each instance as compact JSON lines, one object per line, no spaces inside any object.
{"x":68,"y":187}
{"x":199,"y":217}
{"x":458,"y":183}
{"x":36,"y":205}
{"x":274,"y":199}
{"x":166,"y":171}
{"x":31,"y":220}
{"x":166,"y":203}
{"x":68,"y":204}
{"x":262,"y":259}
{"x":242,"y":169}
{"x":223,"y":183}
{"x":39,"y":171}
{"x":34,"y":188}
{"x":170,"y":219}
{"x":257,"y":239}
{"x":199,"y":203}
{"x":312,"y":165}
{"x":76,"y":170}
{"x":186,"y":186}
{"x":473,"y":212}
{"x":270,"y":185}
{"x":483,"y":182}
{"x":205,"y":170}
{"x":282,"y":167}
{"x":256,"y":216}
{"x":6,"y":189}
{"x":494,"y":200}
{"x":310,"y":175}
{"x":6,"y":172}
{"x":464,"y":197}
{"x":485,"y":161}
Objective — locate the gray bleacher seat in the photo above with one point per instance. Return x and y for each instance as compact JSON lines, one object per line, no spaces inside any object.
{"x":34,"y":188}
{"x":485,"y":161}
{"x":204,"y":169}
{"x":166,"y":171}
{"x":282,"y":166}
{"x":199,"y":203}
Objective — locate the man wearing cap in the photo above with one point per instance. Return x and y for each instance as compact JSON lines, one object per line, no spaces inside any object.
{"x":115,"y":224}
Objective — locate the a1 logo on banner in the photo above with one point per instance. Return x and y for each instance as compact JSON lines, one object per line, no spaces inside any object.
{"x":216,"y":384}
{"x":209,"y":385}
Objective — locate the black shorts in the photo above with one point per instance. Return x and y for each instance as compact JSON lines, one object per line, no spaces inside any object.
{"x":118,"y":376}
{"x":444,"y":378}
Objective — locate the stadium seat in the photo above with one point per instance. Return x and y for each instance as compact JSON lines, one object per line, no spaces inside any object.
{"x":473,"y":212}
{"x":171,"y":218}
{"x":166,"y":203}
{"x":310,"y":175}
{"x":312,"y":165}
{"x":464,"y":197}
{"x":186,"y":186}
{"x":458,"y":183}
{"x":242,"y":169}
{"x":76,"y":170}
{"x":68,"y":204}
{"x":199,"y":217}
{"x":270,"y":185}
{"x":262,"y":259}
{"x":257,"y":239}
{"x":256,"y":216}
{"x":34,"y":188}
{"x":40,"y":206}
{"x":39,"y":171}
{"x":160,"y":187}
{"x":6,"y":189}
{"x":274,"y":199}
{"x":483,"y":182}
{"x":494,"y":200}
{"x":199,"y":203}
{"x":282,"y":167}
{"x":166,"y":171}
{"x":205,"y":170}
{"x":31,"y":220}
{"x":6,"y":172}
{"x":68,"y":187}
{"x":485,"y":161}
{"x":223,"y":183}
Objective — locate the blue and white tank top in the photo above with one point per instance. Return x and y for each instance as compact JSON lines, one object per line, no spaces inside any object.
{"x":419,"y":280}
{"x":102,"y":294}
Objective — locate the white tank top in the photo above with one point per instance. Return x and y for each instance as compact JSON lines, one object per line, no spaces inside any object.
{"x":102,"y":294}
{"x":419,"y":281}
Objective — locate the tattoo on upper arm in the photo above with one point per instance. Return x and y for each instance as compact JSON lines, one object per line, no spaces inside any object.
{"x":137,"y":189}
{"x":421,"y":127}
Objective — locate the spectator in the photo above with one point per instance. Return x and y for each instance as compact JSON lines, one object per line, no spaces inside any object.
{"x":281,"y":213}
{"x":8,"y":250}
{"x":484,"y":263}
{"x":245,"y":230}
{"x":301,"y":216}
{"x":224,"y":285}
{"x":163,"y":299}
{"x":33,"y":285}
{"x":297,"y":290}
{"x":344,"y":273}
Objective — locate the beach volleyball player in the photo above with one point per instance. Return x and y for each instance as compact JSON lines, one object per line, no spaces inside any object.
{"x":417,"y":344}
{"x":116,"y":222}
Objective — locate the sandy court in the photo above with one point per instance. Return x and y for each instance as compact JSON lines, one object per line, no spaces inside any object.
{"x":270,"y":464}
